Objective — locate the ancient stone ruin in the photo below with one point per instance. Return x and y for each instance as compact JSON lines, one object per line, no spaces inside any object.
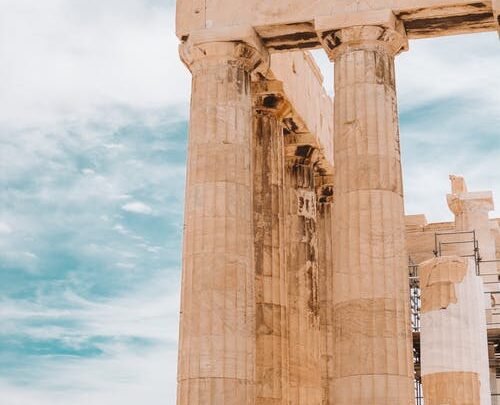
{"x":297,"y":251}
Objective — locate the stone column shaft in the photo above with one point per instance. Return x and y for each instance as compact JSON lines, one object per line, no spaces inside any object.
{"x":217,"y":324}
{"x":326,"y":232}
{"x":372,"y":339}
{"x":270,"y":264}
{"x":453,"y":341}
{"x":302,"y":273}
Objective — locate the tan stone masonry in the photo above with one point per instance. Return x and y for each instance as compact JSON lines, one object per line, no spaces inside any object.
{"x":370,"y":310}
{"x":438,"y":278}
{"x":217,"y":335}
{"x":302,"y":272}
{"x":295,"y":261}
{"x":453,"y":388}
{"x":270,"y":259}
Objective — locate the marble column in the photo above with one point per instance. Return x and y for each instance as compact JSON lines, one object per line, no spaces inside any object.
{"x":302,"y":274}
{"x":326,"y":232}
{"x":453,"y":341}
{"x":217,"y":323}
{"x":372,"y":339}
{"x":270,"y":264}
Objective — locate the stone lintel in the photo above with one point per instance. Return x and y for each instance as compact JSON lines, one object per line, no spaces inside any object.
{"x":383,"y":18}
{"x":289,"y":24}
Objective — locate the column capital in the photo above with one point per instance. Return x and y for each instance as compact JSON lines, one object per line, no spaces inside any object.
{"x":363,"y":30}
{"x":240,"y":45}
{"x":390,"y":40}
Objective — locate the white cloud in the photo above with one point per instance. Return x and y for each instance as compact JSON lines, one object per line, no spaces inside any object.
{"x":128,"y":379}
{"x":149,"y":311}
{"x":138,"y":208}
{"x":88,"y":172}
{"x":464,"y":66}
{"x":123,"y":375}
{"x":65,"y":60}
{"x":5,"y":228}
{"x":457,"y":66}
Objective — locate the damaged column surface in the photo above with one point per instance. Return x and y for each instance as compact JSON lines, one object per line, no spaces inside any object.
{"x":217,"y":325}
{"x":302,"y":273}
{"x":371,"y":339}
{"x":454,"y":352}
{"x":270,"y":263}
{"x":308,"y":150}
{"x":326,"y":232}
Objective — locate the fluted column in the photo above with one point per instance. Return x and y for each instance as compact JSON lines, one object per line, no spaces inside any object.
{"x":326,"y":232}
{"x":217,"y":325}
{"x":302,"y":274}
{"x":453,"y":338}
{"x":270,"y":265}
{"x":372,"y":340}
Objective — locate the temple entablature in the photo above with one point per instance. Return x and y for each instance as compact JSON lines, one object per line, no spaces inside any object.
{"x":297,"y":25}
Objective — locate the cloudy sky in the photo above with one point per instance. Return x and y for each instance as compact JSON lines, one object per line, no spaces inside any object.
{"x":93,"y":109}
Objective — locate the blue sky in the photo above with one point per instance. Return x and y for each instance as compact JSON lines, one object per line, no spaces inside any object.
{"x":93,"y":105}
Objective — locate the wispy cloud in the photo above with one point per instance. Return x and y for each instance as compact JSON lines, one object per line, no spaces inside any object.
{"x":138,"y":208}
{"x":126,"y":378}
{"x":88,"y":284}
{"x":68,"y":59}
{"x":5,"y":228}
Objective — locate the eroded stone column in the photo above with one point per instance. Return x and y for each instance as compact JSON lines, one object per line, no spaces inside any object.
{"x":217,"y":324}
{"x":302,"y":274}
{"x":270,"y":264}
{"x":372,"y":340}
{"x":326,"y":232}
{"x":454,"y":346}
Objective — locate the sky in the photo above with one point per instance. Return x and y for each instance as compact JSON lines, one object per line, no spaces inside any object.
{"x":93,"y":126}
